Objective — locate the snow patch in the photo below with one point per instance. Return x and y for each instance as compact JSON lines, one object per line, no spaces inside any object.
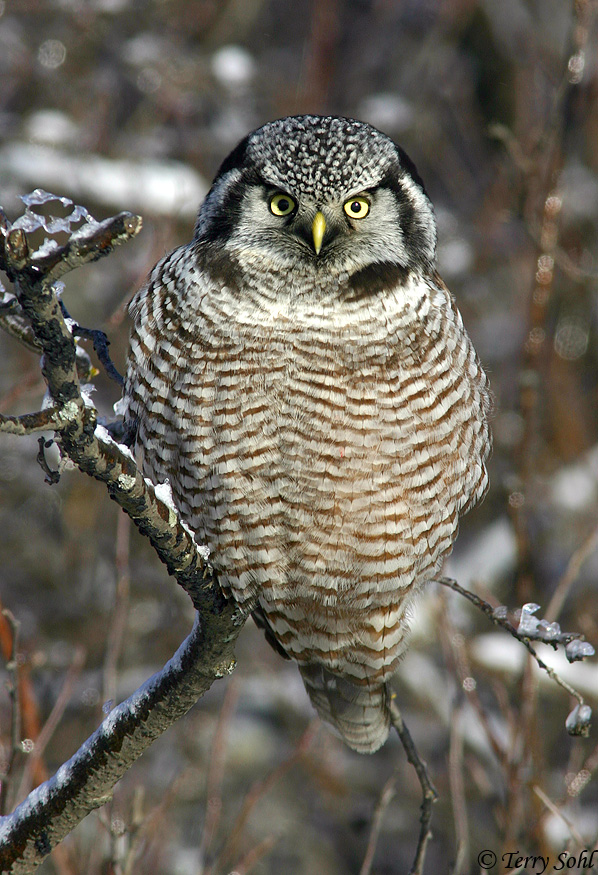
{"x":162,"y":188}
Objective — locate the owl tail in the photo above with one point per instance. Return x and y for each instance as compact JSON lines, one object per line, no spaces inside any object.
{"x":358,"y":714}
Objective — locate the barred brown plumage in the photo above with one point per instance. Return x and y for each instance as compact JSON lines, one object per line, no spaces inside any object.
{"x":320,"y":413}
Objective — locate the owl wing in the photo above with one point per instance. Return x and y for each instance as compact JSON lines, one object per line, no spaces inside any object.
{"x":150,"y":364}
{"x":262,"y":623}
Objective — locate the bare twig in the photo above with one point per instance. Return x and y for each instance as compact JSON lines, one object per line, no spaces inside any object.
{"x":254,"y":855}
{"x":457,"y":786}
{"x":116,"y":628}
{"x":15,"y":715}
{"x":583,"y":552}
{"x":558,"y":813}
{"x":147,"y":829}
{"x":386,"y":797}
{"x":29,"y":423}
{"x":52,"y":722}
{"x":503,"y":623}
{"x":428,"y":791}
{"x":136,"y":831}
{"x":216,"y":770}
{"x":259,"y":789}
{"x":454,"y":647}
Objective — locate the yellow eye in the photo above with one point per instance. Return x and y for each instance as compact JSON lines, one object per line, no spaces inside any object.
{"x":282,"y":204}
{"x":357,"y":207}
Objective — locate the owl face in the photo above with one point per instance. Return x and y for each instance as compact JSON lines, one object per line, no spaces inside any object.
{"x":326,"y":196}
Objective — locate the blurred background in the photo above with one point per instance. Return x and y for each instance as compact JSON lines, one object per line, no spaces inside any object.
{"x":133,"y":105}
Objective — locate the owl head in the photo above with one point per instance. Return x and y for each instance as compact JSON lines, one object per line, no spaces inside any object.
{"x":324,"y":195}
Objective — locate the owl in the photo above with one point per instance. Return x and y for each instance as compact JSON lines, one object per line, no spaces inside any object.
{"x":301,"y":376}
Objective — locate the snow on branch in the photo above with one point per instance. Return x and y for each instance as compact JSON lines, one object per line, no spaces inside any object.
{"x":32,"y":311}
{"x":529,"y":628}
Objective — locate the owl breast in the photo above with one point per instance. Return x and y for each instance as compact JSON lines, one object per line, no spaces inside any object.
{"x":323,"y":451}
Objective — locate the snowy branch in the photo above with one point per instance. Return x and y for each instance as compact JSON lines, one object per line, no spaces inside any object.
{"x":530,"y":628}
{"x":86,"y":781}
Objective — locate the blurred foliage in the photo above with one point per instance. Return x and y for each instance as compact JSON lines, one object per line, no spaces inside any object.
{"x":101,"y":100}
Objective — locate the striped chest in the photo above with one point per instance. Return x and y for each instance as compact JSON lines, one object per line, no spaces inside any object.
{"x":310,"y":444}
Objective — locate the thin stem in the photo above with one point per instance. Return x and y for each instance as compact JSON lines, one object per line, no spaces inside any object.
{"x":583,"y":552}
{"x":505,"y":624}
{"x":386,"y":796}
{"x":254,"y":855}
{"x":558,"y":813}
{"x":457,"y":785}
{"x":118,"y":621}
{"x":41,"y":742}
{"x":215,"y":775}
{"x":428,"y":791}
{"x":15,"y":716}
{"x":259,"y":789}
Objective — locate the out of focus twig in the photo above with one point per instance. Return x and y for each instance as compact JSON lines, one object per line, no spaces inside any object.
{"x":12,"y":670}
{"x":571,"y":573}
{"x":558,"y":813}
{"x":386,"y":796}
{"x":230,"y":850}
{"x":52,"y":722}
{"x":117,"y":626}
{"x":216,"y":770}
{"x":457,"y":785}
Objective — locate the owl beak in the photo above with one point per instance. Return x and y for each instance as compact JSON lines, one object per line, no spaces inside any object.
{"x":318,"y":229}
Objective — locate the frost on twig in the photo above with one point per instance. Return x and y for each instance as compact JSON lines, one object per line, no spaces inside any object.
{"x":32,"y":308}
{"x":578,"y":721}
{"x":549,"y":633}
{"x":530,"y":628}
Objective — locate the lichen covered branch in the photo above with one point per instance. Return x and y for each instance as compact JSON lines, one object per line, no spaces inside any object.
{"x":86,"y":781}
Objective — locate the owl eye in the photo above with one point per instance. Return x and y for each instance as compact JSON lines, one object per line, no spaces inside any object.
{"x":357,"y":207}
{"x":282,"y":204}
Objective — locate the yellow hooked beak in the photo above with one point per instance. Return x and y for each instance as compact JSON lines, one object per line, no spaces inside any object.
{"x":318,"y":230}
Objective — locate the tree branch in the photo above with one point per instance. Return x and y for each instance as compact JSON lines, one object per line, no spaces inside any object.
{"x":29,"y":423}
{"x":86,"y":781}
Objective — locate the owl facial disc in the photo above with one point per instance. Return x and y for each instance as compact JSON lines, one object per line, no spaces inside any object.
{"x":319,"y":197}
